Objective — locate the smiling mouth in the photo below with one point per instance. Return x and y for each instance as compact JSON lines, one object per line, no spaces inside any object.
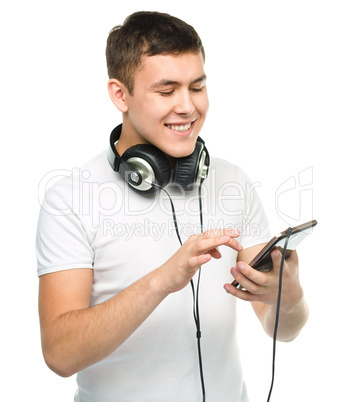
{"x":180,"y":127}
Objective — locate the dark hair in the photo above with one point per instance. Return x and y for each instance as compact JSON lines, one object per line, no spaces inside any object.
{"x":148,"y":33}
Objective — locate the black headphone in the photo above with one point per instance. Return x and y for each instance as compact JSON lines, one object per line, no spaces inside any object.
{"x":144,"y":166}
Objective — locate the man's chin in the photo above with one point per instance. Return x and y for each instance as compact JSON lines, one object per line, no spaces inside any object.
{"x":178,"y":153}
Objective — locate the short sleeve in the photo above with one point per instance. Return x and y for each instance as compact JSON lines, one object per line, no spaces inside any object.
{"x":62,"y":241}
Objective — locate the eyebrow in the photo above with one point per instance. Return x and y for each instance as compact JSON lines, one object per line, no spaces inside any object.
{"x":165,"y":82}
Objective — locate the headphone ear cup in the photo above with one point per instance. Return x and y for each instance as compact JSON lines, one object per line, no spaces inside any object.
{"x":155,"y":158}
{"x":186,"y":168}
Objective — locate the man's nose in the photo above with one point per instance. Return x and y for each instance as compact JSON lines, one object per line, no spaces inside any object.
{"x":184,"y":103}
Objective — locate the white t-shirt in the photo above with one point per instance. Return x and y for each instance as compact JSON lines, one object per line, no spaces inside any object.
{"x":93,"y":219}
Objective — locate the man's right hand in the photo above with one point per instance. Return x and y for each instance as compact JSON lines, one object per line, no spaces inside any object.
{"x":195,"y":252}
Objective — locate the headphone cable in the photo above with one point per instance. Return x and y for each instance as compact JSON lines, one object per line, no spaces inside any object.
{"x":195,"y":293}
{"x":197,"y":320}
{"x":289,"y":232}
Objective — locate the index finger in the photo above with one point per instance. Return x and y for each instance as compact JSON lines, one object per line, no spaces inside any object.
{"x":222,"y":232}
{"x":209,"y":242}
{"x":231,"y":240}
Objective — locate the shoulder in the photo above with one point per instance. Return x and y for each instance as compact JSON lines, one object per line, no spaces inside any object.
{"x":66,"y":184}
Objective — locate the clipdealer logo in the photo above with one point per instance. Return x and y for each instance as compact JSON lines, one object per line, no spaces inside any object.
{"x":82,"y":196}
{"x":294,"y":198}
{"x":101,"y":201}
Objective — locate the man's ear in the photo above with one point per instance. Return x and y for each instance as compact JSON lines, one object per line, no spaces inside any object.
{"x":118,"y":94}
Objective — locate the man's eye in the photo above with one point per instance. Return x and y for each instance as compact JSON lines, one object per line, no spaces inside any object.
{"x":197,"y":89}
{"x":168,"y":93}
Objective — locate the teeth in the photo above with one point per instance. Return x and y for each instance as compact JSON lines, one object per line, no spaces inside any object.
{"x":180,"y":128}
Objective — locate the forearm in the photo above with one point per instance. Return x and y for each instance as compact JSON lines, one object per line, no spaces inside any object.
{"x":290,"y":321}
{"x":79,"y":338}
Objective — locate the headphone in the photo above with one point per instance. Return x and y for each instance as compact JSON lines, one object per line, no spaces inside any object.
{"x":144,"y":166}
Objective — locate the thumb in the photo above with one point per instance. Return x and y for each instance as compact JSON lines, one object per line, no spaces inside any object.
{"x":276,"y":257}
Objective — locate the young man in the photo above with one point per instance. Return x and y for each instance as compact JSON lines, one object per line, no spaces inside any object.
{"x":115,"y":302}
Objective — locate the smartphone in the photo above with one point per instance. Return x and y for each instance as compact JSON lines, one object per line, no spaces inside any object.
{"x":263,"y":262}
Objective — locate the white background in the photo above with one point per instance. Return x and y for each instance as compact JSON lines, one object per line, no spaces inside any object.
{"x":278,"y":79}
